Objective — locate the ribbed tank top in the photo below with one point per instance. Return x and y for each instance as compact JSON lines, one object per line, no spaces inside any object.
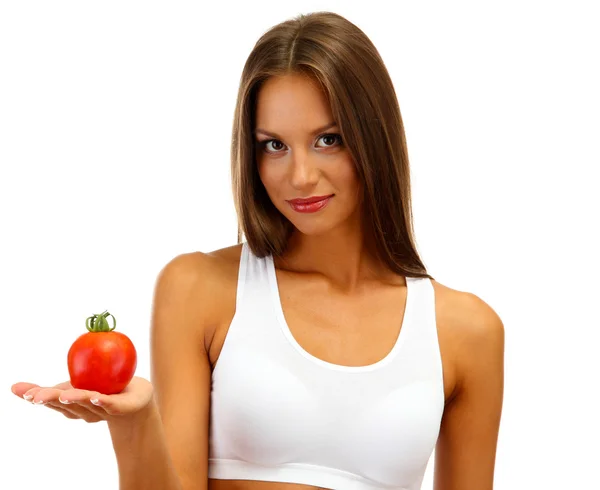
{"x":280,"y":414}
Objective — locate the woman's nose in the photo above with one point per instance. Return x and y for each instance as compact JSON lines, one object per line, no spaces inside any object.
{"x":304,"y":170}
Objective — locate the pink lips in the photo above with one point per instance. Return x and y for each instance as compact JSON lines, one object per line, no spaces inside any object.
{"x":310,"y":204}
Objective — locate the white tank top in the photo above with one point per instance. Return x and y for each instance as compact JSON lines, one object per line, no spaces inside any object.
{"x":280,"y":414}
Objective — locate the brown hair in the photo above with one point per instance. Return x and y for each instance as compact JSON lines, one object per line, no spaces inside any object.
{"x":347,"y":66}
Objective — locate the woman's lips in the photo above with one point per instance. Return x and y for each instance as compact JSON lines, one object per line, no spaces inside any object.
{"x":310,"y":205}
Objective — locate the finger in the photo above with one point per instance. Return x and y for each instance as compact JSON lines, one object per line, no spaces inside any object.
{"x":121,"y":403}
{"x":21,"y":388}
{"x":52,"y":398}
{"x":83,"y":399}
{"x":29,"y":395}
{"x":47,"y":394}
{"x":29,"y":390}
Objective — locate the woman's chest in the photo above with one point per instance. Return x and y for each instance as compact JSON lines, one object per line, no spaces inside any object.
{"x":346,"y":332}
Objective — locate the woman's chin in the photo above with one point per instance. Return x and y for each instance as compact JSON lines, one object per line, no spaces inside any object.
{"x":315,"y":228}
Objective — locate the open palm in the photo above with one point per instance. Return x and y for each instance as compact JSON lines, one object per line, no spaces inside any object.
{"x":90,"y":406}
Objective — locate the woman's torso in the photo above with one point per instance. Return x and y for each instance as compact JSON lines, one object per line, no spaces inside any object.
{"x":370,"y":329}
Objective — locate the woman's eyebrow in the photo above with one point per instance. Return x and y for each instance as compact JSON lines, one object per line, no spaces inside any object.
{"x":318,"y":130}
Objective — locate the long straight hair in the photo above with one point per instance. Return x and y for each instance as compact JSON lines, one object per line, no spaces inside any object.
{"x":344,"y":62}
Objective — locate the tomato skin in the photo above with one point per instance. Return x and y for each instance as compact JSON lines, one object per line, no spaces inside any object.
{"x":102,"y":361}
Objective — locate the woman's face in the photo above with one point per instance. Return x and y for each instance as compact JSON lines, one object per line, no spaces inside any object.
{"x":300,"y":155}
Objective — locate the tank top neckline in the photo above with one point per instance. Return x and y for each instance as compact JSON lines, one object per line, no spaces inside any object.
{"x":285,"y":329}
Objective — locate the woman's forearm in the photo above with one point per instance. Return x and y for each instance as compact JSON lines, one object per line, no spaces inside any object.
{"x":142,"y":455}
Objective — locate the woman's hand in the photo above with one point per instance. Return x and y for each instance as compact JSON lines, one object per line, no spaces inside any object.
{"x":90,"y":406}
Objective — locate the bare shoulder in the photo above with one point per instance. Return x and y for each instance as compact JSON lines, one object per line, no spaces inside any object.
{"x":474,"y":335}
{"x":203,"y":269}
{"x":469,"y":309}
{"x":200,"y":266}
{"x":219,"y":269}
{"x":209,"y":279}
{"x":469,"y":330}
{"x":467,"y":315}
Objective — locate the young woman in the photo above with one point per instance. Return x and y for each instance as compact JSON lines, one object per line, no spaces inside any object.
{"x":317,"y":353}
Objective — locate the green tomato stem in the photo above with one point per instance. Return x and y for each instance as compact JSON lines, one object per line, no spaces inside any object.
{"x":99,"y":323}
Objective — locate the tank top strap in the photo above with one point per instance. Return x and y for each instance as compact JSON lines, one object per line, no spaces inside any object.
{"x":250,"y":323}
{"x":424,"y":350}
{"x":253,"y":278}
{"x":241,"y":278}
{"x":253,"y":293}
{"x":423,"y":302}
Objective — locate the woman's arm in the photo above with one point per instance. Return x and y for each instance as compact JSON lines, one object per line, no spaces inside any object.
{"x":466,"y":449}
{"x":142,"y":455}
{"x":166,"y":446}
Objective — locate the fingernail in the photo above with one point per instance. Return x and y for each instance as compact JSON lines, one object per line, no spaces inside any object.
{"x":95,"y":401}
{"x":27,"y":397}
{"x":66,"y":402}
{"x":38,"y":402}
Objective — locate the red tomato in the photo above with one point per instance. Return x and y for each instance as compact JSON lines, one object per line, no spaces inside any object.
{"x":102,"y":360}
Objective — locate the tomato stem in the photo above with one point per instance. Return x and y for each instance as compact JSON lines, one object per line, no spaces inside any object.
{"x":99,"y":323}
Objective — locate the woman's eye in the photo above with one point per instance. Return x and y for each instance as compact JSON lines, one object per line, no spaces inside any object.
{"x":330,"y":139}
{"x":275,"y":146}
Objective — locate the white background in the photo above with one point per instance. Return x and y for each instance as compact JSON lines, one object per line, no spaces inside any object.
{"x":115,"y":122}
